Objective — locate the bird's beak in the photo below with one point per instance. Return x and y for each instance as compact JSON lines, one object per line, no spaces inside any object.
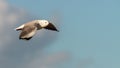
{"x":50,"y":26}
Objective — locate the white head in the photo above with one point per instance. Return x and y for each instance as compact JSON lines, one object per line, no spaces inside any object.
{"x":47,"y":25}
{"x":43,"y":23}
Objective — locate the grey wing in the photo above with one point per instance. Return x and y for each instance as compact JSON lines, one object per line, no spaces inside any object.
{"x":28,"y":32}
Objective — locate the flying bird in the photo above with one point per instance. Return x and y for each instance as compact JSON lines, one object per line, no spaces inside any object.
{"x":29,"y":29}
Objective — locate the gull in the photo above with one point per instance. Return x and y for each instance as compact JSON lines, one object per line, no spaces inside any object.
{"x":29,"y":29}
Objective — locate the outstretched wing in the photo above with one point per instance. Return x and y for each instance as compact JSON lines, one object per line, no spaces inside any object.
{"x":28,"y":32}
{"x":51,"y":27}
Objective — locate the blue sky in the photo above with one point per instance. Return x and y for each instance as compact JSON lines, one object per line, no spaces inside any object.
{"x":89,"y":30}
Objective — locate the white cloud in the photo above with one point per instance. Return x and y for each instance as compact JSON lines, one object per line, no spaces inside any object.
{"x":9,"y":16}
{"x":13,"y":51}
{"x":48,"y":61}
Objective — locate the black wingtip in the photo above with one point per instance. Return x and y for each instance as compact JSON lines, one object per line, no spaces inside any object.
{"x":25,"y":38}
{"x":57,"y":30}
{"x":51,"y":27}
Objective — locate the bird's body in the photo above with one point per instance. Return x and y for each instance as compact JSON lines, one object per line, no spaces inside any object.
{"x":29,"y":29}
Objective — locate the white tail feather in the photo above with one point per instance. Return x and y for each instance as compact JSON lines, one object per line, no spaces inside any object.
{"x":19,"y":28}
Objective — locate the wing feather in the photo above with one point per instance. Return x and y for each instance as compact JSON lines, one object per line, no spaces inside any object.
{"x":28,"y":32}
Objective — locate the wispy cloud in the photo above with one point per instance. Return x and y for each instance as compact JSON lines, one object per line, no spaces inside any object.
{"x":9,"y":16}
{"x":83,"y":63}
{"x":47,"y":61}
{"x":21,"y":54}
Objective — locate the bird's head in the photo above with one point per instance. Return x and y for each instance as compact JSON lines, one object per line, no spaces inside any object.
{"x":43,"y":23}
{"x":47,"y":25}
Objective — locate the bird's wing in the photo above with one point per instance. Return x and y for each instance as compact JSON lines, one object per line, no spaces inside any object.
{"x":51,"y":27}
{"x":28,"y":32}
